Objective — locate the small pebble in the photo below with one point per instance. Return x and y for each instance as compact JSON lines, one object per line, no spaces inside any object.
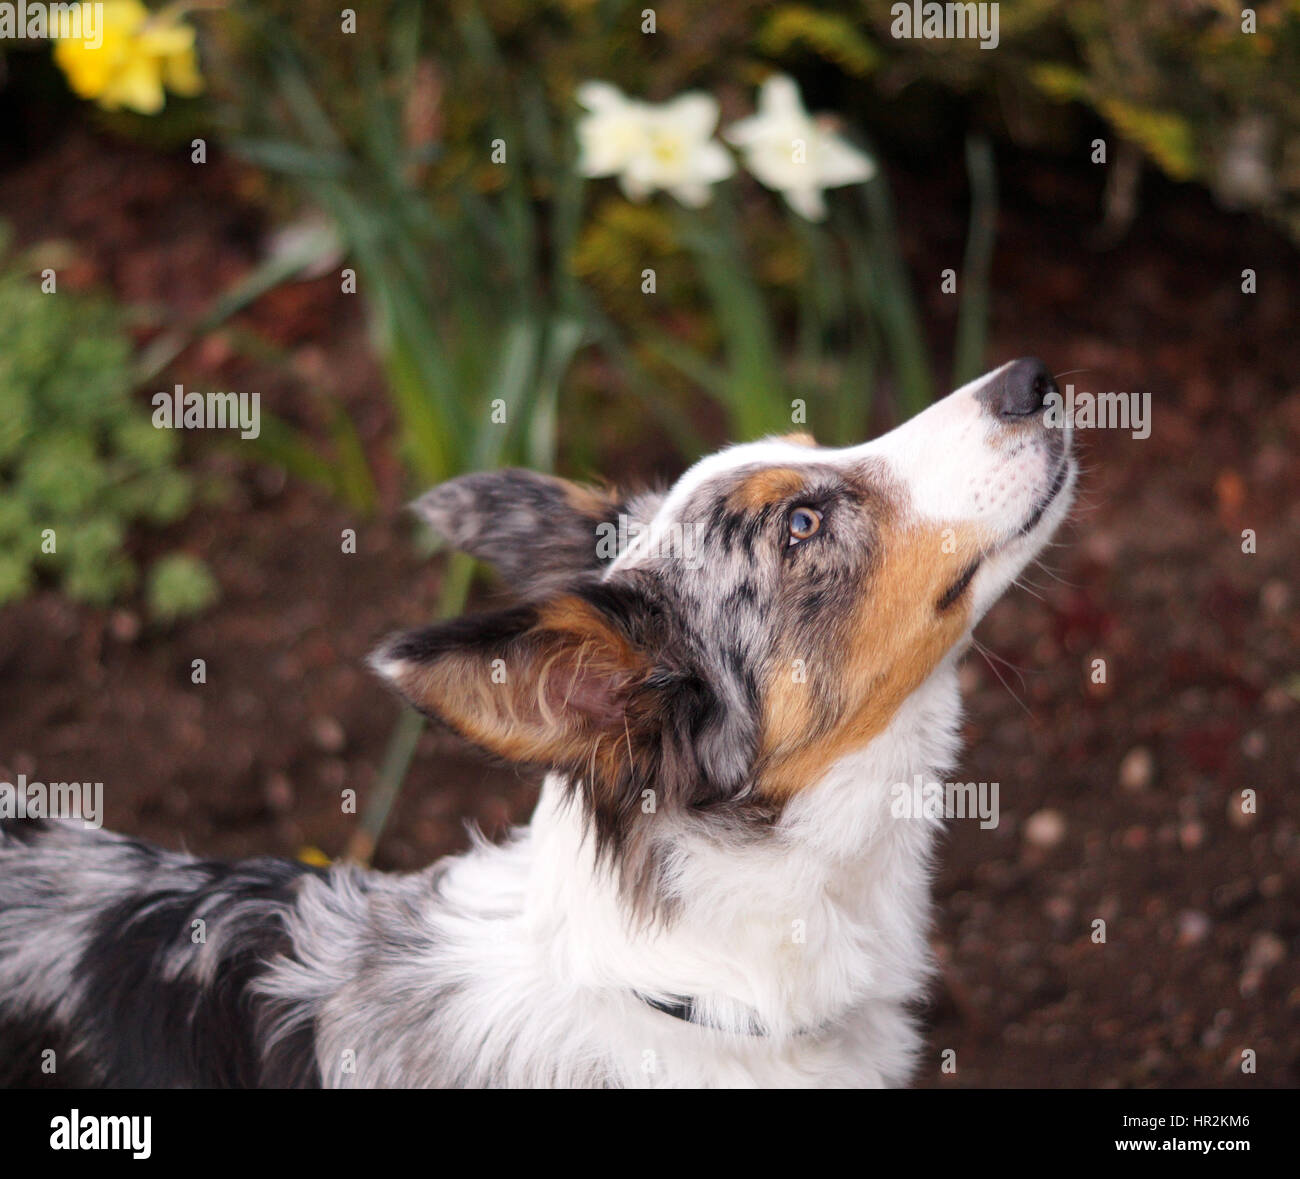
{"x":1059,"y":909}
{"x":1137,"y":769}
{"x":1238,"y":815}
{"x":328,"y":734}
{"x":124,"y":626}
{"x":1193,"y":927}
{"x":1266,"y":951}
{"x":1275,"y":597}
{"x":1136,"y":838}
{"x":279,"y":793}
{"x":1045,"y":828}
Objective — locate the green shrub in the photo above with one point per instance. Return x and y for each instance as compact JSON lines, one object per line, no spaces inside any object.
{"x":179,"y":585}
{"x":80,"y":461}
{"x":1187,"y":87}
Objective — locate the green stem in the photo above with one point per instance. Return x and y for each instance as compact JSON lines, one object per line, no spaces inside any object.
{"x":755,"y":398}
{"x":895,"y":301}
{"x":973,"y":310}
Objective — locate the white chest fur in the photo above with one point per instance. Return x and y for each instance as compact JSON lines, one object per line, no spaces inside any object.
{"x":820,"y":930}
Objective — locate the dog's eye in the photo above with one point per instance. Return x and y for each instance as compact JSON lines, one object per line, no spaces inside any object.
{"x":804,"y":522}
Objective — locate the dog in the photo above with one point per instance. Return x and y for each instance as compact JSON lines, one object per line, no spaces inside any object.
{"x":713,"y":891}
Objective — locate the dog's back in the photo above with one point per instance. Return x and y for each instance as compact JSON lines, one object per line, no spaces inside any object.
{"x":127,"y":966}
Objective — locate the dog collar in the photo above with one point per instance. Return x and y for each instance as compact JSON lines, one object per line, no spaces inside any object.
{"x":683,"y":1007}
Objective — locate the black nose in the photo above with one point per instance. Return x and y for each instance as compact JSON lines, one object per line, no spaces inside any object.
{"x":1020,"y":390}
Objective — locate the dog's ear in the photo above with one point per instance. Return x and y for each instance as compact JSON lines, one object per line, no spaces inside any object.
{"x":589,"y":682}
{"x":536,"y":684}
{"x":539,"y":531}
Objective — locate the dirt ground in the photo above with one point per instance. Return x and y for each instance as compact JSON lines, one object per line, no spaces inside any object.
{"x":1120,"y":801}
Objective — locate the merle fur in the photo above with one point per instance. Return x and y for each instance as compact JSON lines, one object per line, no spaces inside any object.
{"x":140,"y":1015}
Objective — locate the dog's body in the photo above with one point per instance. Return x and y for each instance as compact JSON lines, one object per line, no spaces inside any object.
{"x":715,"y":889}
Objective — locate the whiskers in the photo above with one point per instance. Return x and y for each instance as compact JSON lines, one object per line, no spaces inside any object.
{"x":989,"y":658}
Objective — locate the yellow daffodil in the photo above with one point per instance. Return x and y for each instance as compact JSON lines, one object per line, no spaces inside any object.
{"x":138,"y":55}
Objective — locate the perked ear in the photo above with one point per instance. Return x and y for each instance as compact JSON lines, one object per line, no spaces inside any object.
{"x":534,"y":684}
{"x":585,"y":683}
{"x":539,"y":531}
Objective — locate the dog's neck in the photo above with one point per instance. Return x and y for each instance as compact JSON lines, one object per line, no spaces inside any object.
{"x":798,"y":929}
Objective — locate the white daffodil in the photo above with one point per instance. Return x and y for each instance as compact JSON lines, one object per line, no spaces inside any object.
{"x":794,"y":153}
{"x":612,"y":133}
{"x":669,"y":147}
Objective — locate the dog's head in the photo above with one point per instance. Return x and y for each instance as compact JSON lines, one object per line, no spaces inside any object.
{"x":719,"y":647}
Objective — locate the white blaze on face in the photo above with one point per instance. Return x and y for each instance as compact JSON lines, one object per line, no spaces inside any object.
{"x":958,"y":462}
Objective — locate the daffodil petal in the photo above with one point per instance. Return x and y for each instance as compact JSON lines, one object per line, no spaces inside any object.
{"x":778,"y":97}
{"x":807,"y":202}
{"x":695,"y":113}
{"x":839,"y":162}
{"x":138,"y":87}
{"x":713,"y":163}
{"x":600,"y":96}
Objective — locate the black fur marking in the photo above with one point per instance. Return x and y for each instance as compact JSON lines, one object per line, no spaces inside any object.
{"x":815,"y":601}
{"x":736,"y":529}
{"x":24,"y":1041}
{"x":740,"y":599}
{"x":470,"y":632}
{"x":628,"y":605}
{"x":958,"y":587}
{"x":24,"y":831}
{"x":150,"y":1022}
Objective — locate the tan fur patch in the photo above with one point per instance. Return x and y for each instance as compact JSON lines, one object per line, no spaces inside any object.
{"x":589,"y":637}
{"x":765,"y":487}
{"x":562,"y":683}
{"x":859,"y":680}
{"x":460,"y":691}
{"x":801,"y":438}
{"x":589,"y":499}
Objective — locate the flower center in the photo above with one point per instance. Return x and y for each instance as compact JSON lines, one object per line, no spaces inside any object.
{"x":667,"y":149}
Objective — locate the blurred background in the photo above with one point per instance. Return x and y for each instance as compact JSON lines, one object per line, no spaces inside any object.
{"x":407,"y":228}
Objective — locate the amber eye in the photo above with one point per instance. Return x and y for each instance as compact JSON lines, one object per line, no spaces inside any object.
{"x":804,"y":522}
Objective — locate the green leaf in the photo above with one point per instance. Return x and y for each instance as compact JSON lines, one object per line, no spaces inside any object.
{"x":973,"y":305}
{"x":827,"y":34}
{"x":178,"y":586}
